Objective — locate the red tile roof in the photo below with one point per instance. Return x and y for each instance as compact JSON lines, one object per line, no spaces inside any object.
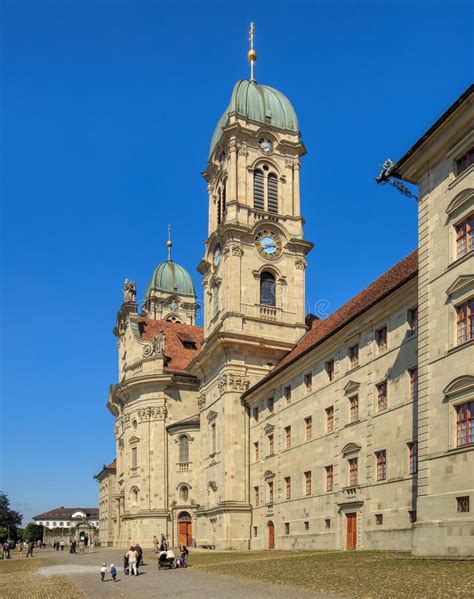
{"x":323,"y":329}
{"x":177,"y":355}
{"x":65,"y":513}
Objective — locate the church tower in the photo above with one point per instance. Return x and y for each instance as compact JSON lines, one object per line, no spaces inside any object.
{"x":254,"y":289}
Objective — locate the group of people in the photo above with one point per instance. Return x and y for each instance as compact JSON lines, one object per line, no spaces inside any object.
{"x":20,"y":545}
{"x":166,"y":558}
{"x":112,"y":570}
{"x":132,"y":560}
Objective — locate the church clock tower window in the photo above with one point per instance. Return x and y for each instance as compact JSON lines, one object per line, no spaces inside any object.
{"x":267,"y":289}
{"x":258,"y":190}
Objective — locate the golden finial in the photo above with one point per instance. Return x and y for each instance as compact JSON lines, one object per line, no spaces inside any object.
{"x":252,"y":55}
{"x":169,"y":243}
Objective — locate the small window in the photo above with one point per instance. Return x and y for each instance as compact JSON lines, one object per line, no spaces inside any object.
{"x":288,"y":487}
{"x":330,"y":369}
{"x":255,"y":414}
{"x":465,"y":322}
{"x":412,"y":516}
{"x":287,"y":393}
{"x":465,"y":424}
{"x":327,"y":523}
{"x":219,"y":207}
{"x":213,"y":438}
{"x":306,"y":525}
{"x":462,"y":504}
{"x":465,"y":236}
{"x":381,"y":464}
{"x":330,"y":419}
{"x":184,"y":493}
{"x":134,"y":457}
{"x":270,"y":491}
{"x":412,"y":318}
{"x":382,"y":396}
{"x":354,"y":408}
{"x":287,"y":528}
{"x":413,"y":457}
{"x":287,"y":437}
{"x":353,"y":471}
{"x":329,"y":477}
{"x":255,"y":531}
{"x":308,"y":483}
{"x":354,"y":355}
{"x":308,"y":381}
{"x":257,"y":450}
{"x":189,"y":344}
{"x":465,"y":161}
{"x":256,"y":495}
{"x":381,"y":338}
{"x":270,"y":405}
{"x":271,"y":446}
{"x":267,"y":289}
{"x":413,"y":374}
{"x":378,"y":519}
{"x":183,"y":449}
{"x":308,"y":427}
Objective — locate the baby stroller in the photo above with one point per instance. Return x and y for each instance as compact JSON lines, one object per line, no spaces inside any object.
{"x":165,"y":563}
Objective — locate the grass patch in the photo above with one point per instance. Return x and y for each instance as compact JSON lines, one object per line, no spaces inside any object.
{"x":19,"y":579}
{"x":360,"y":575}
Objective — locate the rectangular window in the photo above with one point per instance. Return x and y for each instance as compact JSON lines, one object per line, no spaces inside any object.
{"x":329,"y":477}
{"x":255,"y":531}
{"x":353,"y":475}
{"x":308,"y":427}
{"x":287,"y":528}
{"x":412,"y":516}
{"x":412,"y":318}
{"x":382,"y":396}
{"x":288,"y":487}
{"x":270,"y":492}
{"x":306,"y":525}
{"x":462,"y":504}
{"x":287,"y":393}
{"x":465,"y":236}
{"x":270,"y":404}
{"x":327,"y":522}
{"x":271,"y":446}
{"x":378,"y":519}
{"x":381,"y":338}
{"x":465,"y":322}
{"x":354,"y":355}
{"x":413,"y":457}
{"x":134,"y":457}
{"x":255,"y":414}
{"x":465,"y":161}
{"x":381,"y":464}
{"x":287,"y":437}
{"x":213,"y":438}
{"x":308,"y":381}
{"x":354,"y":408}
{"x":256,"y":495}
{"x":257,"y":450}
{"x":330,"y":419}
{"x":308,"y":483}
{"x":330,"y":369}
{"x":465,"y":423}
{"x":413,"y":373}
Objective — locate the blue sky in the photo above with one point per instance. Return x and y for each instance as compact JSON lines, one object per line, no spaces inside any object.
{"x":107,"y":112}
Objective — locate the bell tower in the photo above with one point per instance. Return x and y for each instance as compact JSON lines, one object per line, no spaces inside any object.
{"x":254,"y":288}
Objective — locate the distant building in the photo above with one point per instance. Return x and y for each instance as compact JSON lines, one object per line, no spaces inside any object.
{"x":79,"y":523}
{"x":107,"y":506}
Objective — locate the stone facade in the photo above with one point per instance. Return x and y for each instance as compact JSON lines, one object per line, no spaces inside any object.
{"x":266,"y":428}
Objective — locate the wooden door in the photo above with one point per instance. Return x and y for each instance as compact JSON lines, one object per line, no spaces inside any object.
{"x":185,"y":533}
{"x":271,"y":535}
{"x":351,"y":540}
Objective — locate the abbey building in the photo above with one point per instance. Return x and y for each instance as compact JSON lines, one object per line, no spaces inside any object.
{"x":271,"y":428}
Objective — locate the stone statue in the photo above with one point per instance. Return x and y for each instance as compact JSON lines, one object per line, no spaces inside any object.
{"x":129,"y":291}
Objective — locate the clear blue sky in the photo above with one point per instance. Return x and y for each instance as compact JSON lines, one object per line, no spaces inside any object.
{"x":107,"y":113}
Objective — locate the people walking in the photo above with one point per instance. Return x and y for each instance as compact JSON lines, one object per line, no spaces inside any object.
{"x":62,"y":544}
{"x":19,"y":548}
{"x":126,"y":565}
{"x":113,"y":572}
{"x":31,"y":546}
{"x":103,"y":570}
{"x":132,"y":561}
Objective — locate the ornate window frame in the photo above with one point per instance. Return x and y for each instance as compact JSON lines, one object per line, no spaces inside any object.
{"x":459,"y":391}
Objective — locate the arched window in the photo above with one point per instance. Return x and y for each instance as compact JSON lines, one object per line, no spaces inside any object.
{"x":184,"y":493}
{"x":258,"y":190}
{"x":224,"y":198}
{"x":219,"y":207}
{"x":267,"y":289}
{"x":184,"y":449}
{"x":135,"y":495}
{"x":272,"y":193}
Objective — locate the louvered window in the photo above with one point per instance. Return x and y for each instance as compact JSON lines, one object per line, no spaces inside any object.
{"x":258,"y":194}
{"x":219,"y":207}
{"x":224,"y":198}
{"x":272,"y":193}
{"x":267,"y":289}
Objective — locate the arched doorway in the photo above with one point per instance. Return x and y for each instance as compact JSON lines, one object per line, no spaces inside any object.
{"x":271,"y":535}
{"x":185,"y":526}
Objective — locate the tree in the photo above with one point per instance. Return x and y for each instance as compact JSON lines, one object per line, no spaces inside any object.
{"x":33,"y":532}
{"x":9,"y":519}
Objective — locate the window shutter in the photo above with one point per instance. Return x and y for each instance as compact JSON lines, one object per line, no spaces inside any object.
{"x":258,"y":196}
{"x":272,"y":193}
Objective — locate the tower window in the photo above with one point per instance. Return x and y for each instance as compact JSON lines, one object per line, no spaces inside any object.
{"x":258,"y":190}
{"x":184,"y":449}
{"x":224,"y":197}
{"x":272,"y":193}
{"x":267,"y":289}
{"x":219,"y":207}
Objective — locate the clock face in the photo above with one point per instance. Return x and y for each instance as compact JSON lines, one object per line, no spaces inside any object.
{"x":265,"y":145}
{"x":217,"y":255}
{"x":268,"y":244}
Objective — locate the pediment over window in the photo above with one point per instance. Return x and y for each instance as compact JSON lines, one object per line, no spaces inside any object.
{"x":269,"y":475}
{"x":350,"y":449}
{"x":461,"y":200}
{"x":134,"y":440}
{"x":462,"y":284}
{"x":463,"y":385}
{"x":351,"y":388}
{"x":211,"y":415}
{"x":269,"y":428}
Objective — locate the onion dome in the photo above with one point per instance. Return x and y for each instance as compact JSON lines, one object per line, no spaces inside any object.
{"x":170,"y":278}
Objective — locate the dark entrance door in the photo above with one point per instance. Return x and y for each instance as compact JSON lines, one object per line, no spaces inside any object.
{"x":351,"y":537}
{"x":271,"y":535}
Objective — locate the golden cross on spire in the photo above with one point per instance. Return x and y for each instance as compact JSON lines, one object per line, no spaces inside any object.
{"x":169,"y":243}
{"x":252,"y":55}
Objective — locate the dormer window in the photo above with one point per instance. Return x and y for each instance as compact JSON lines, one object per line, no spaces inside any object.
{"x":189,"y":344}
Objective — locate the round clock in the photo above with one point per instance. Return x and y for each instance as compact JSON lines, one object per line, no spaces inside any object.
{"x":268,"y":244}
{"x":265,"y":145}
{"x":217,"y":255}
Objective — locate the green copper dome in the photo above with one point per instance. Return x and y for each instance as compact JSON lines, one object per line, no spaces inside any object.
{"x":258,"y":103}
{"x":170,"y":277}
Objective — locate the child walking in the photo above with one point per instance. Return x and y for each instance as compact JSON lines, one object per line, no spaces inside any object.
{"x":103,"y":570}
{"x":113,"y":572}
